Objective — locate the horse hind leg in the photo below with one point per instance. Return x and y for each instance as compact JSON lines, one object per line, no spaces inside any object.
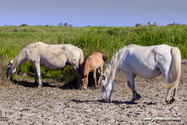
{"x":168,"y":96}
{"x":95,"y":78}
{"x":78,"y":73}
{"x":168,"y":79}
{"x":174,"y":95}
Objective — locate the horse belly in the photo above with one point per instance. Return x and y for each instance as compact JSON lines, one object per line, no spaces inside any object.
{"x":147,"y":73}
{"x":57,"y":65}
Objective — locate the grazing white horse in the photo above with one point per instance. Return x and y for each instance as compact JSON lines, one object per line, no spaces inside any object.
{"x":53,"y":57}
{"x":147,"y":62}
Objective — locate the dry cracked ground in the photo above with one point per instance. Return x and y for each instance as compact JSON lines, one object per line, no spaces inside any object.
{"x":22,"y":103}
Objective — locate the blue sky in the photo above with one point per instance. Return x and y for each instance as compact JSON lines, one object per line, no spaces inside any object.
{"x":81,"y":13}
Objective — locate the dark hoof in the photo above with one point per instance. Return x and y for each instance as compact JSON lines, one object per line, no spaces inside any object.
{"x":138,"y":96}
{"x":172,"y":100}
{"x":166,"y":103}
{"x":132,"y":101}
{"x":106,"y":101}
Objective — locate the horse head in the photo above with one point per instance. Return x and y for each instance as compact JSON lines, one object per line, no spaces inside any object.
{"x":107,"y":89}
{"x":10,"y":72}
{"x":84,"y":82}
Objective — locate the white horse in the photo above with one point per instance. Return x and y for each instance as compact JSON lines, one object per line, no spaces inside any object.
{"x":147,"y":62}
{"x":53,"y":57}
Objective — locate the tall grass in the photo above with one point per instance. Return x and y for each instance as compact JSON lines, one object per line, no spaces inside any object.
{"x":106,"y":40}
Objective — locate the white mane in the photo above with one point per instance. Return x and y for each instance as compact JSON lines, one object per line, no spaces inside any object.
{"x":110,"y":70}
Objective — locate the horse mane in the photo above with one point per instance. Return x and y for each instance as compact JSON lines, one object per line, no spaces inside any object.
{"x":17,"y":61}
{"x":111,"y":68}
{"x":23,"y":56}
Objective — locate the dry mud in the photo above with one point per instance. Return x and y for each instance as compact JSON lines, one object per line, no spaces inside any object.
{"x":21,"y":103}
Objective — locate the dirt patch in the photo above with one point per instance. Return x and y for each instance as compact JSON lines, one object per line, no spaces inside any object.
{"x":23,"y":103}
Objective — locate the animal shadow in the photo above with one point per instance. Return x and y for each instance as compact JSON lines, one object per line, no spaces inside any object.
{"x":130,"y":103}
{"x":70,"y":85}
{"x":31,"y":84}
{"x":114,"y":102}
{"x":101,"y":101}
{"x":86,"y":101}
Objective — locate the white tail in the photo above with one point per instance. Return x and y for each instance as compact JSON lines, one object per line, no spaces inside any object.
{"x":176,"y":69}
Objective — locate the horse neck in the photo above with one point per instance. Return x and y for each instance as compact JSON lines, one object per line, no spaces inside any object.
{"x":20,"y":59}
{"x":111,"y":70}
{"x":86,"y":68}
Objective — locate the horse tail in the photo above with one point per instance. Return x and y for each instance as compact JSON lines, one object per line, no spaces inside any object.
{"x":105,"y":58}
{"x":176,"y":69}
{"x":81,"y":59}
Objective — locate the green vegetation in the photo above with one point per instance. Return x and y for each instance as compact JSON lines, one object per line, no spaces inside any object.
{"x":106,"y":40}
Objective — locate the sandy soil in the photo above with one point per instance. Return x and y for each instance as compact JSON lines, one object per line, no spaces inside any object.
{"x":22,"y":103}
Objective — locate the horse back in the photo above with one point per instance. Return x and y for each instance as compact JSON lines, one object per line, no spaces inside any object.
{"x":98,"y":58}
{"x":55,"y":56}
{"x":93,"y":61}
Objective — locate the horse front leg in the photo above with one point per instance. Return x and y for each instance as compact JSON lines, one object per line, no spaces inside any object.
{"x":132,"y":87}
{"x":38,"y":75}
{"x":137,"y":95}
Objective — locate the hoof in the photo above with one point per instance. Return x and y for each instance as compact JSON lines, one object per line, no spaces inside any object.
{"x":138,"y":96}
{"x":106,"y":101}
{"x":132,"y":101}
{"x":172,"y":100}
{"x":85,"y":88}
{"x":39,"y":86}
{"x":166,"y":103}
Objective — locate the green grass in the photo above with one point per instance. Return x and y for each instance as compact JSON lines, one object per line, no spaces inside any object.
{"x":106,"y":40}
